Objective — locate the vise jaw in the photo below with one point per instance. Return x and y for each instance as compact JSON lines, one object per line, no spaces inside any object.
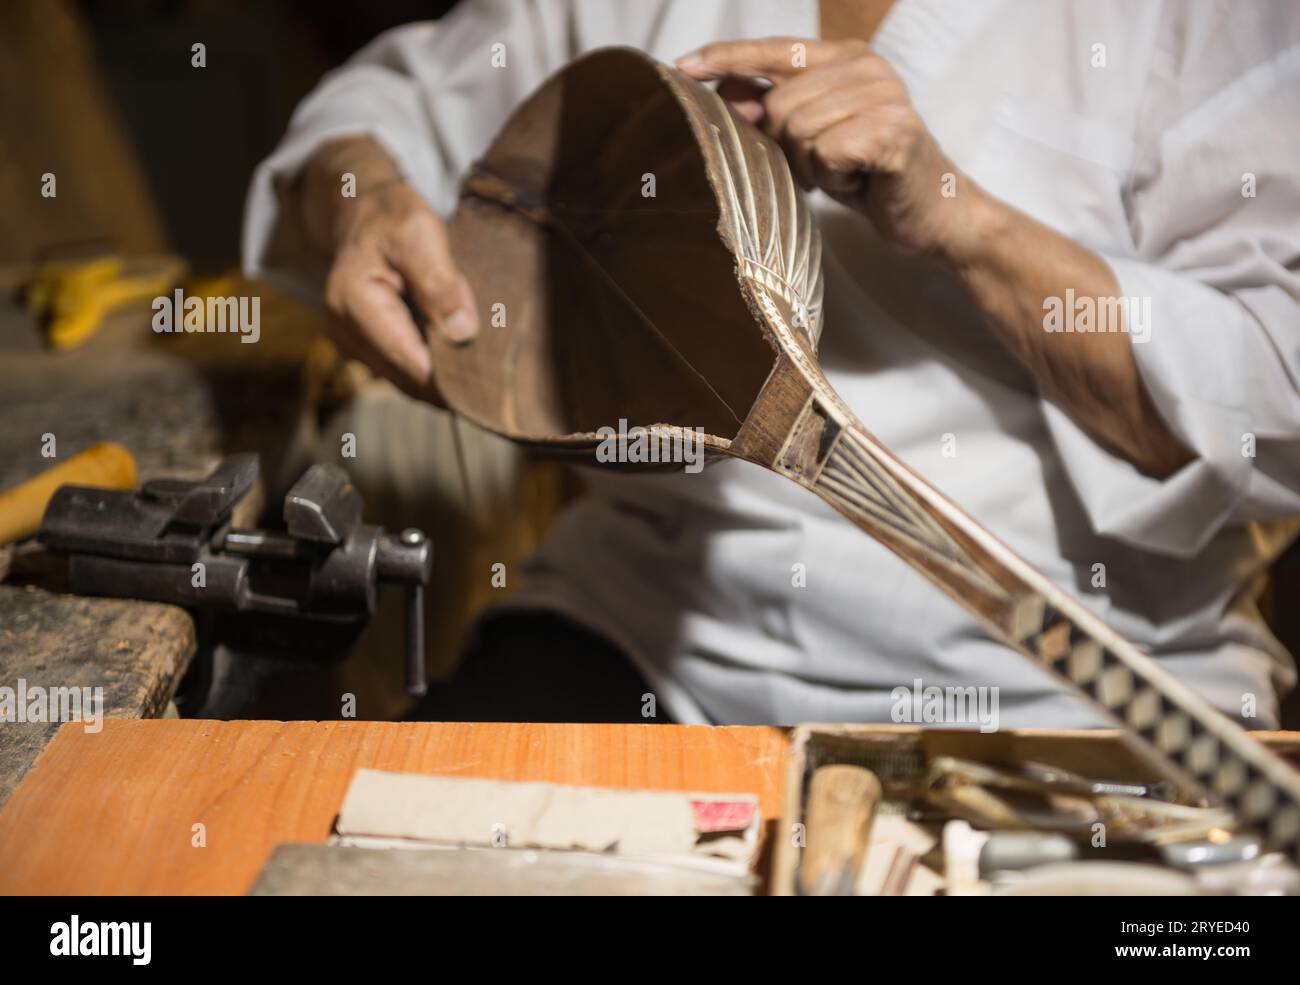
{"x":172,"y":541}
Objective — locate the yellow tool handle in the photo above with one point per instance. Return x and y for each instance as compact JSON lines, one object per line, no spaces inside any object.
{"x":106,"y":464}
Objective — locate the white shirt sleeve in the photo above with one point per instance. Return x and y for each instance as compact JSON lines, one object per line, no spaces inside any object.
{"x":1215,"y":215}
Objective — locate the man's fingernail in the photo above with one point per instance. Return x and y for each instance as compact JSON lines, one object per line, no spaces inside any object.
{"x":459,"y":325}
{"x":690,"y":61}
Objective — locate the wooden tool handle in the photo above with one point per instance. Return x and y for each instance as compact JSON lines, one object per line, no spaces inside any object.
{"x":842,"y":803}
{"x":106,"y":464}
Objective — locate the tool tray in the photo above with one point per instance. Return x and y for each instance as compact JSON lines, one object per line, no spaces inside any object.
{"x":897,"y":752}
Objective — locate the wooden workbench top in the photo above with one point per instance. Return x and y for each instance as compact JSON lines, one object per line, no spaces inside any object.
{"x":178,"y":403}
{"x":136,"y":652}
{"x":116,"y":812}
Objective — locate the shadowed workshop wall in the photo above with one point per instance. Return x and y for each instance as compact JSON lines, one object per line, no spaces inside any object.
{"x":150,"y":152}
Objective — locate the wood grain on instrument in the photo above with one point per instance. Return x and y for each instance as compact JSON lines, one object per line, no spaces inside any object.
{"x":114,"y":812}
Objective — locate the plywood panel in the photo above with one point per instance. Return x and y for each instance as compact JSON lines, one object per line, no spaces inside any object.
{"x":114,"y":812}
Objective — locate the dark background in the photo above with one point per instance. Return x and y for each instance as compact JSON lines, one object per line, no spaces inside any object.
{"x":200,"y":133}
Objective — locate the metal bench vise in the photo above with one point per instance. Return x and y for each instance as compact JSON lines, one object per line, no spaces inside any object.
{"x":172,"y":541}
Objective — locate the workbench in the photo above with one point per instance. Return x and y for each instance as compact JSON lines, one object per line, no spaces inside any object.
{"x":135,"y":651}
{"x":178,"y":403}
{"x":189,"y":806}
{"x":116,"y":812}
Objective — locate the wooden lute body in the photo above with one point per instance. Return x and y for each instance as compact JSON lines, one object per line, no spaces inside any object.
{"x":639,"y":252}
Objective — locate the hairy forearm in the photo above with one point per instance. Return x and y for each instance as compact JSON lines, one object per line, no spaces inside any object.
{"x":1011,"y":265}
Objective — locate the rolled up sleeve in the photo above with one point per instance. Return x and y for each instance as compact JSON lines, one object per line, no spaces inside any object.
{"x":1215,"y":278}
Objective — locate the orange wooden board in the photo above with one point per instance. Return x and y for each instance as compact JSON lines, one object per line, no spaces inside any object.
{"x":114,"y":812}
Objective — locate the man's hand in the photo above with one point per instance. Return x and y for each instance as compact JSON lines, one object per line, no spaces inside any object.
{"x":387,"y":245}
{"x":846,"y":124}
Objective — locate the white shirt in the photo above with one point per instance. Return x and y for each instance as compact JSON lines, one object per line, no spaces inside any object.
{"x":1133,"y":129}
